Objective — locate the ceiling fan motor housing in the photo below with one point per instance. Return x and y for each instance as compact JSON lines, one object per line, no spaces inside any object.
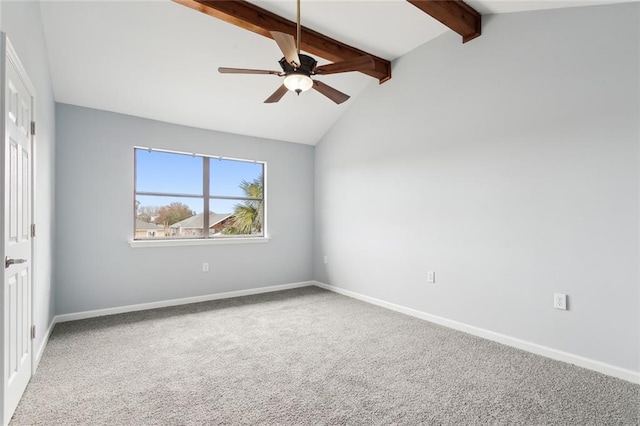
{"x":307,"y":66}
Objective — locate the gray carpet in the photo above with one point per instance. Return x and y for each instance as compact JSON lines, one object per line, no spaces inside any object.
{"x":304,"y":357}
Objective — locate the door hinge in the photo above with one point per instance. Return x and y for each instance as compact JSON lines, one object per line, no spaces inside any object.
{"x":33,"y":230}
{"x":33,"y":331}
{"x":33,"y":128}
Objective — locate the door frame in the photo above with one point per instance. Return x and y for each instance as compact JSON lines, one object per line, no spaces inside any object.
{"x":8,"y":53}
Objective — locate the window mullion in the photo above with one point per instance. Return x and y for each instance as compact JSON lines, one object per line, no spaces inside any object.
{"x":169,"y":194}
{"x":205,"y":192}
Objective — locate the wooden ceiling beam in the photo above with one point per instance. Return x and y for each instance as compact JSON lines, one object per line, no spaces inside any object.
{"x":455,"y":14}
{"x":261,"y":21}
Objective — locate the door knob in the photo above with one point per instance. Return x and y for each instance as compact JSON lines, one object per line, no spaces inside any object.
{"x":8,"y":261}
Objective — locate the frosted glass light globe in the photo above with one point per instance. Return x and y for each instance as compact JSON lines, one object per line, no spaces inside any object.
{"x":298,"y":83}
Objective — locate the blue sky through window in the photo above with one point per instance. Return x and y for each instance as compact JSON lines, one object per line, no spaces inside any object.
{"x":168,"y":172}
{"x":163,"y":172}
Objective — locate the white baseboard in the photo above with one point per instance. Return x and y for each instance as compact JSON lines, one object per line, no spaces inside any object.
{"x":176,"y":302}
{"x":558,"y":355}
{"x":535,"y":348}
{"x":40,"y":350}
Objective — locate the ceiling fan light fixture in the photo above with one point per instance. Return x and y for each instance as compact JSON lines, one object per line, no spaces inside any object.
{"x":298,"y":82}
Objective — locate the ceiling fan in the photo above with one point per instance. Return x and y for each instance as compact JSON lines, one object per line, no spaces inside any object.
{"x":298,"y":68}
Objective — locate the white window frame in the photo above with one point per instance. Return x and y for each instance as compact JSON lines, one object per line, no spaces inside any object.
{"x":206,"y":197}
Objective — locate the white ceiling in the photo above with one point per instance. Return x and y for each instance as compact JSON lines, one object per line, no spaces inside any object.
{"x":159,"y":60}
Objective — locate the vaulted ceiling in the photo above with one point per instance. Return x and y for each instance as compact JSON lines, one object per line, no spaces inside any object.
{"x":159,"y":59}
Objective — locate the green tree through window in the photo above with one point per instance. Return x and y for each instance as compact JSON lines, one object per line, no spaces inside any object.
{"x":248,"y":216}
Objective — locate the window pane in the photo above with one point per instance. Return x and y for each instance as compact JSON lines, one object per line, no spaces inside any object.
{"x":168,"y":217}
{"x":166,"y":172}
{"x":236,"y":218}
{"x":170,"y":196}
{"x":233,"y":178}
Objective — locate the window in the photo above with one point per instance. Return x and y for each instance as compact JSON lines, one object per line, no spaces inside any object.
{"x":173,"y":191}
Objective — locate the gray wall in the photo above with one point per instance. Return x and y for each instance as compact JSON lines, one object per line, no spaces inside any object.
{"x":22,"y":23}
{"x":508,"y":165}
{"x":96,"y":266}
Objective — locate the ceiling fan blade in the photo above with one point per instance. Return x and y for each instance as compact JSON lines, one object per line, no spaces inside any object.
{"x":287,"y":44}
{"x":224,"y":70}
{"x":277,"y":95}
{"x":360,"y":63}
{"x":331,"y":93}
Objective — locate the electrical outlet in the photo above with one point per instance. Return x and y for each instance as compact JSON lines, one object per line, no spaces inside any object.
{"x":431,"y":277}
{"x":326,"y":260}
{"x":560,"y":301}
{"x":205,"y":267}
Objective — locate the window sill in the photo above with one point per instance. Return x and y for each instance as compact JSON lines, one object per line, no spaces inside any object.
{"x":197,"y":242}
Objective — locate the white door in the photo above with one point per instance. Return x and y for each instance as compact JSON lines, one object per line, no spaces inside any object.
{"x":16,"y":149}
